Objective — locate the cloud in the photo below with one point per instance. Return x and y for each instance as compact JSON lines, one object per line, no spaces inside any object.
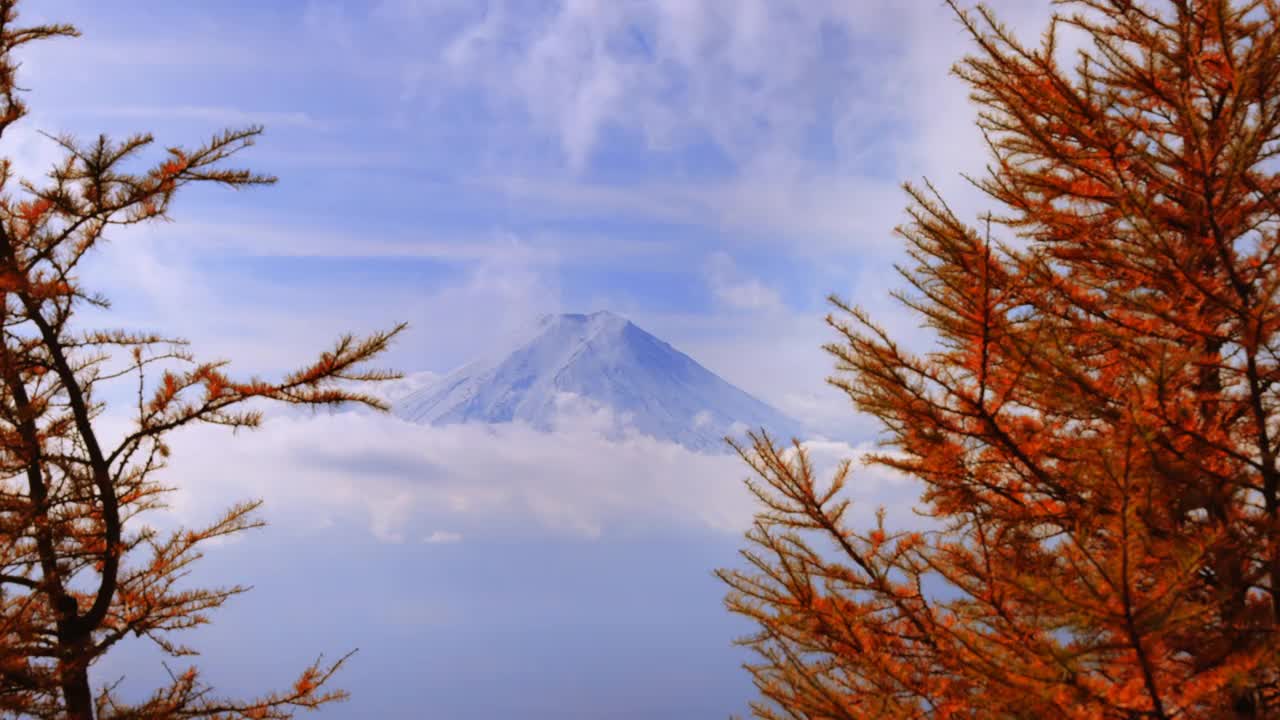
{"x":393,"y":390}
{"x":478,"y":313}
{"x":639,"y":116}
{"x":224,"y":116}
{"x":161,"y":277}
{"x":803,"y":149}
{"x":292,"y":239}
{"x":778,"y":204}
{"x":672,"y":72}
{"x":328,"y":21}
{"x":776,"y":356}
{"x":398,"y":479}
{"x":32,"y":154}
{"x":734,"y":290}
{"x":873,"y":487}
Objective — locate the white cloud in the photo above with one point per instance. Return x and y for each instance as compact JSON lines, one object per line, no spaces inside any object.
{"x":817,"y":137}
{"x":32,"y":154}
{"x":776,"y":203}
{"x":284,"y":239}
{"x":494,"y":301}
{"x":872,"y":486}
{"x":737,"y":291}
{"x":776,"y":356}
{"x":813,"y":147}
{"x":401,"y":480}
{"x":671,"y":71}
{"x":328,"y":21}
{"x":442,"y":537}
{"x":223,"y":116}
{"x":393,"y":390}
{"x":160,"y":283}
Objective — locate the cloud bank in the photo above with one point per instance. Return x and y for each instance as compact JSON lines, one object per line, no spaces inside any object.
{"x":404,"y":482}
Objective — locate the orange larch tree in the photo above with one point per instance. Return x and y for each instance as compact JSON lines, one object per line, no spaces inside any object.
{"x":79,"y":568}
{"x":1097,"y":425}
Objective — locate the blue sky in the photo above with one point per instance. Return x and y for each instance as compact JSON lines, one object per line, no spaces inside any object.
{"x":711,"y":169}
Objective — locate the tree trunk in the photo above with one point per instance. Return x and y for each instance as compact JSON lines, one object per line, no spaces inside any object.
{"x":74,"y":678}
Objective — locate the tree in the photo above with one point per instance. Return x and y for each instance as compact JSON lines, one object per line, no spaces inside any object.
{"x":79,"y":568}
{"x":1095,"y":428}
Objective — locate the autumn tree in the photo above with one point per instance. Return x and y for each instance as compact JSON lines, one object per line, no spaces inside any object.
{"x":79,"y":567}
{"x":1096,"y":426}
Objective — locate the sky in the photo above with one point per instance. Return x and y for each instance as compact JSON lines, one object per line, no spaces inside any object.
{"x":710,"y":169}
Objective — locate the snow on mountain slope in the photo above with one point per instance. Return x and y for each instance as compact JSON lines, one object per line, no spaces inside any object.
{"x":607,"y":361}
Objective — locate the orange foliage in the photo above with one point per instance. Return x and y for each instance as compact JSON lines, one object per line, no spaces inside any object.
{"x":1095,"y":431}
{"x":79,"y":569}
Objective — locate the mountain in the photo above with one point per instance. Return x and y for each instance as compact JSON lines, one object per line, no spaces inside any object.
{"x":605,"y":360}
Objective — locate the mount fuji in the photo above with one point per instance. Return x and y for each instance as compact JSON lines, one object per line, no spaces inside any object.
{"x":607,"y":361}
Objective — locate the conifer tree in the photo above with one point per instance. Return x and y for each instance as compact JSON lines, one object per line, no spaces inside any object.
{"x":1097,"y":426}
{"x":80,"y":568}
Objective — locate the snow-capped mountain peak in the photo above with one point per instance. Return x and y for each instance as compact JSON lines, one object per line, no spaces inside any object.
{"x":605,"y":360}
